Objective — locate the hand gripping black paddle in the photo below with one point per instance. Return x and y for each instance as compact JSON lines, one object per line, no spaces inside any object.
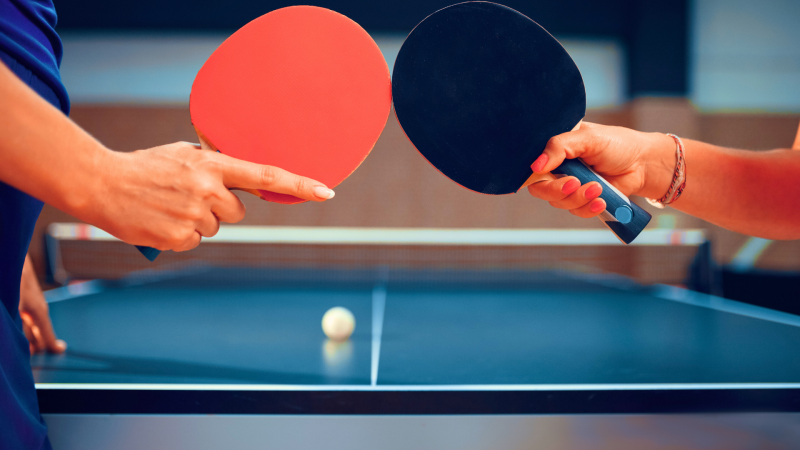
{"x":479,"y":89}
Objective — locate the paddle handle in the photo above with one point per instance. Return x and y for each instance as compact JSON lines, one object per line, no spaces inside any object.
{"x":148,"y":252}
{"x":151,"y":253}
{"x":623,"y":217}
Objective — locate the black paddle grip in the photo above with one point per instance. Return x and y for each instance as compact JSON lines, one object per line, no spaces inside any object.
{"x":149,"y":252}
{"x":625,"y":218}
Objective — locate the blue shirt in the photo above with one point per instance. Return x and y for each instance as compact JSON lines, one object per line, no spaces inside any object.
{"x":30,"y":47}
{"x":28,"y":35}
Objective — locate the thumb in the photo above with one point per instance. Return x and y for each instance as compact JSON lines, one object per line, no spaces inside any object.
{"x":569,"y":145}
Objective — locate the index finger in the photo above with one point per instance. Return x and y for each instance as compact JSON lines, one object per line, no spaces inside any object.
{"x":246,"y":175}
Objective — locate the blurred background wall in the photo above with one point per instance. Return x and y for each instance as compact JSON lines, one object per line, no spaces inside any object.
{"x":723,"y":71}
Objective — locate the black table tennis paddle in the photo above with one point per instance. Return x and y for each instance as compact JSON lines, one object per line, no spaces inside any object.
{"x":480,"y":89}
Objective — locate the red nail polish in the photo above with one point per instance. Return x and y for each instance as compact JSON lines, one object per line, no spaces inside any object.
{"x":539,"y":163}
{"x":597,"y":206}
{"x":593,"y":191}
{"x":570,"y":186}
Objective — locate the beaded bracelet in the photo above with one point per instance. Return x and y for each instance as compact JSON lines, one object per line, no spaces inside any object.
{"x":678,"y":180}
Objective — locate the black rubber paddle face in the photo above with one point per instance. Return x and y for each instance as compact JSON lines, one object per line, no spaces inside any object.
{"x":479,"y":89}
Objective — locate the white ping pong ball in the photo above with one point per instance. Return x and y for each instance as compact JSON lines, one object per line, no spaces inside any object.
{"x":338,"y":324}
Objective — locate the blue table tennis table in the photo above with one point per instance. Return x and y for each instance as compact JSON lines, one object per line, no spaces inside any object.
{"x":206,"y":342}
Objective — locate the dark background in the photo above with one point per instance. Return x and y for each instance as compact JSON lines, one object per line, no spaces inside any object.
{"x":654,"y":33}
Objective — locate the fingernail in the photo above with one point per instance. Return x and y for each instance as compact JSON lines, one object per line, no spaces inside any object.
{"x":597,"y":206}
{"x":538,"y":165}
{"x":571,"y":186}
{"x":61,"y":344}
{"x":323,"y":192}
{"x":593,"y":191}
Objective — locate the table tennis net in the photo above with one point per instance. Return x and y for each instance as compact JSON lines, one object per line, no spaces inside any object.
{"x":82,"y":252}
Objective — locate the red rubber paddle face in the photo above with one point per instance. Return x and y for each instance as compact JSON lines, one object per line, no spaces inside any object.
{"x":301,"y":88}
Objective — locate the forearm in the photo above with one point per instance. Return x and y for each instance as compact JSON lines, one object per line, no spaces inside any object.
{"x":44,"y":153}
{"x":754,"y":193}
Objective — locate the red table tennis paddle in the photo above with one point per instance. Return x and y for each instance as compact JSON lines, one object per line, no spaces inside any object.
{"x":301,"y":88}
{"x":480,"y":89}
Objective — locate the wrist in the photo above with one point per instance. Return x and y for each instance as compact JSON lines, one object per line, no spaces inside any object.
{"x":659,"y":165}
{"x":83,"y":198}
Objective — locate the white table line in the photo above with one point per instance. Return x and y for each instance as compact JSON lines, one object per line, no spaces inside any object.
{"x":378,"y":307}
{"x":407,"y":236}
{"x":418,"y":388}
{"x":721,"y":304}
